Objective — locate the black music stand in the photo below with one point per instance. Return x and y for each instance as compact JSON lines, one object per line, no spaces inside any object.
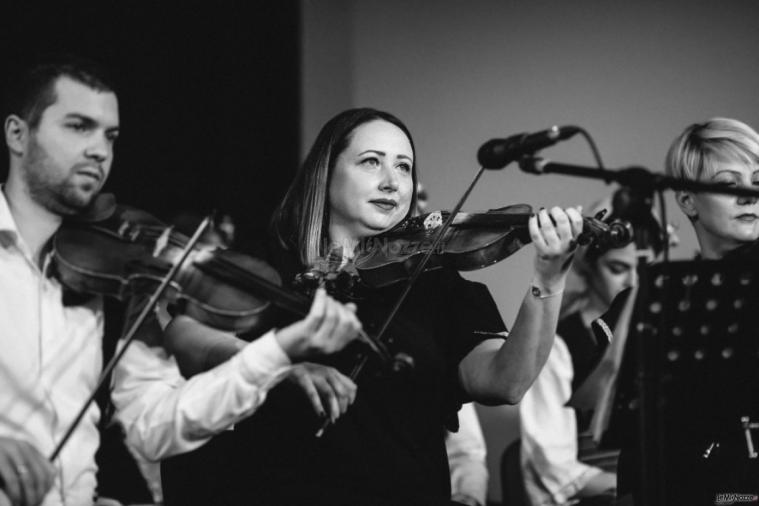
{"x":693,"y":346}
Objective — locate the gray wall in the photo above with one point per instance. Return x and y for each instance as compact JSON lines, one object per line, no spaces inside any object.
{"x":458,"y":72}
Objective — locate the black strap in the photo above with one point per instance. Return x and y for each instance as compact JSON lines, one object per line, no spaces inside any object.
{"x":118,"y":477}
{"x":114,"y":311}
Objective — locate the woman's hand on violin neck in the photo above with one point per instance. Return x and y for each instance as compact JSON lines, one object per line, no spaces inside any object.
{"x":554,"y":234}
{"x":329,"y":391}
{"x":328,"y":327}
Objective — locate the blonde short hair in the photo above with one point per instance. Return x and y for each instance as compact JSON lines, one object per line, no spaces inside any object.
{"x":703,"y":146}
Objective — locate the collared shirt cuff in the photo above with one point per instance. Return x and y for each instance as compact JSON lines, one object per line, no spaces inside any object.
{"x":262,"y":358}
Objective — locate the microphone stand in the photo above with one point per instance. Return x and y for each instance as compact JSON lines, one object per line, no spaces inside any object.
{"x":635,"y":177}
{"x":642,"y":183}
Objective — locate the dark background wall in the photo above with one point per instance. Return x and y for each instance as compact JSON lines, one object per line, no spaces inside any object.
{"x":208,"y":94}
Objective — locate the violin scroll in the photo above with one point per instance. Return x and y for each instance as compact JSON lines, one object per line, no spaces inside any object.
{"x":602,"y":236}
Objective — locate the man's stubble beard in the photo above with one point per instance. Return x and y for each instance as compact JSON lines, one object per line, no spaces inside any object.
{"x":60,"y":197}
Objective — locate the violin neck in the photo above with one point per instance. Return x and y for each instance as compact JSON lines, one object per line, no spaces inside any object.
{"x":466,"y":220}
{"x":247,"y":281}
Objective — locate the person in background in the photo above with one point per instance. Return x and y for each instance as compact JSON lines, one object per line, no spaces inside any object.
{"x":708,"y":468}
{"x":467,"y":456}
{"x":723,"y":151}
{"x":561,"y":465}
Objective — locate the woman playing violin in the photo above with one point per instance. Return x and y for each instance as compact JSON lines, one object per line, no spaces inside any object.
{"x":358,"y":181}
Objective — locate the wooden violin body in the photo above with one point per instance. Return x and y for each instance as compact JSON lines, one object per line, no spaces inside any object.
{"x":130,"y":251}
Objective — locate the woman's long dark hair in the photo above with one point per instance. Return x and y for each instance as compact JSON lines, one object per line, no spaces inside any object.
{"x":301,"y":221}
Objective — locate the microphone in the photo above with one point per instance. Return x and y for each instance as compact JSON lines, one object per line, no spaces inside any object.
{"x":498,"y":153}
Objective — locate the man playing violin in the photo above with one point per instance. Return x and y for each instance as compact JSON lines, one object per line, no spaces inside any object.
{"x":60,"y":130}
{"x":60,"y":127}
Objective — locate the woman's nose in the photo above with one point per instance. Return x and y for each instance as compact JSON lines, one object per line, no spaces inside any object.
{"x":747,"y":200}
{"x":389,"y":180}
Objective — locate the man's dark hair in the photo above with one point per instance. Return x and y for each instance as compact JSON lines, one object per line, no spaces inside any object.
{"x":32,"y":90}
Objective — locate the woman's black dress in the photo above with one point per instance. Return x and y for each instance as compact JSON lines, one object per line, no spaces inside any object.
{"x":388,"y":449}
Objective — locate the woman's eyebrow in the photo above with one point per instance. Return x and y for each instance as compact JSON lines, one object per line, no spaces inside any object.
{"x":726,"y":171}
{"x":380,"y":153}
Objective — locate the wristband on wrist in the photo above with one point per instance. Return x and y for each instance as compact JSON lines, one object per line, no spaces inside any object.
{"x":541,"y":294}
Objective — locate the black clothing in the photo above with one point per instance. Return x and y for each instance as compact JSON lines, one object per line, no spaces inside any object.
{"x":388,"y":449}
{"x":585,"y":348}
{"x":118,"y":475}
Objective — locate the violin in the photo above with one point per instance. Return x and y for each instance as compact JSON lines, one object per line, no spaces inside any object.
{"x":473,"y":241}
{"x":129,"y":251}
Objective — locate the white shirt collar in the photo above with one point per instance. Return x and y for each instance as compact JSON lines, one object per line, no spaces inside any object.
{"x":8,"y":227}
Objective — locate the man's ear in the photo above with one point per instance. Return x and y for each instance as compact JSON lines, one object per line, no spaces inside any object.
{"x":684,"y":199}
{"x":16,"y":134}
